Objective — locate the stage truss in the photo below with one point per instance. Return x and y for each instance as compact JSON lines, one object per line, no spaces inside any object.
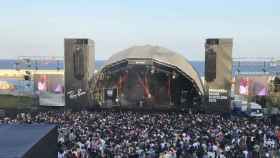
{"x":256,"y":66}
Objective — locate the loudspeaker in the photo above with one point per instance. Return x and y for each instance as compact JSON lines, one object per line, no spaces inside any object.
{"x":210,"y":65}
{"x":276,"y":84}
{"x":78,"y":61}
{"x":27,"y":77}
{"x":79,"y":66}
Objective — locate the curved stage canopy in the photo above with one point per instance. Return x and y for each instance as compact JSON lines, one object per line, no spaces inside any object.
{"x":153,"y":68}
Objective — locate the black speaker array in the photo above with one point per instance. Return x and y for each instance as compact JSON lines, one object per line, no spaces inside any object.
{"x":210,"y":65}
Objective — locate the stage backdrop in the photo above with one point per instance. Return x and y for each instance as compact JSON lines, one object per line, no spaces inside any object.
{"x":50,"y":89}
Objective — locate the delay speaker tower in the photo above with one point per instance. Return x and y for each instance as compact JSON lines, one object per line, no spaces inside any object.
{"x":218,"y":74}
{"x":79,"y":60}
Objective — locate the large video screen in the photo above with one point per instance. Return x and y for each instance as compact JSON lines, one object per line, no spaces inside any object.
{"x":50,"y":89}
{"x":252,"y":85}
{"x":16,"y":86}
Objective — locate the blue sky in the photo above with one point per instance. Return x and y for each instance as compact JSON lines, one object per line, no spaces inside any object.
{"x":37,"y":28}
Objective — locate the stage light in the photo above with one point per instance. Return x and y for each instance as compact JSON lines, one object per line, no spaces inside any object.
{"x":153,"y":70}
{"x":27,"y":77}
{"x":28,"y":72}
{"x":173,"y":75}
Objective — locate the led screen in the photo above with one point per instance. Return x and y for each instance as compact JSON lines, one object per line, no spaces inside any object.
{"x":244,"y":86}
{"x":252,"y":85}
{"x":50,"y":89}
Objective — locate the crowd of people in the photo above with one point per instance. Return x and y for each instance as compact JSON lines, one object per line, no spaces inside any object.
{"x":119,"y":134}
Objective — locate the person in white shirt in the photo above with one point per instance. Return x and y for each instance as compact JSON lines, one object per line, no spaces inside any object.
{"x":60,"y":154}
{"x":245,"y":153}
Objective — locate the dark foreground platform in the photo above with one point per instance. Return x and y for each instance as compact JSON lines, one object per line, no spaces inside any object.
{"x":28,"y":141}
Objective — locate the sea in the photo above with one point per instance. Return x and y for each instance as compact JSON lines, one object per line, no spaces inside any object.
{"x":239,"y":67}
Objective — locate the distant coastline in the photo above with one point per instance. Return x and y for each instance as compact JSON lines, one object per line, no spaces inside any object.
{"x":257,"y":67}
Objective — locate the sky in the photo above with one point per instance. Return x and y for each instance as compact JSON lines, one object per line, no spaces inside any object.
{"x":38,"y":28}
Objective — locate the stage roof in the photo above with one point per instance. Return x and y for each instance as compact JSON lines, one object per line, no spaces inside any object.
{"x":160,"y":55}
{"x":17,"y":139}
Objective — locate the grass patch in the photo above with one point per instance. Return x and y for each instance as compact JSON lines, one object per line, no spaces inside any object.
{"x":15,"y":102}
